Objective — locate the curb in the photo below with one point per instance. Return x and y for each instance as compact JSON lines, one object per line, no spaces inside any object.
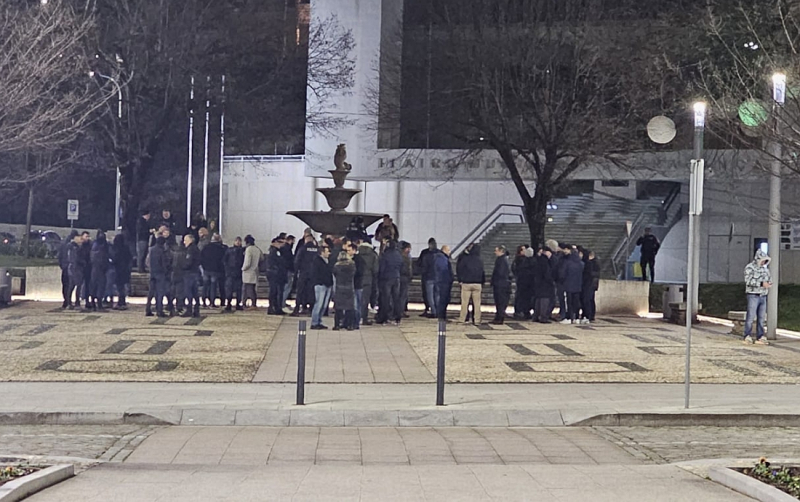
{"x":32,"y":483}
{"x":79,"y":418}
{"x":690,"y":419}
{"x":746,"y":485}
{"x":303,"y":417}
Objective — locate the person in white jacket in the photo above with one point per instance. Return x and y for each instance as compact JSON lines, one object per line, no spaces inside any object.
{"x":252,"y":257}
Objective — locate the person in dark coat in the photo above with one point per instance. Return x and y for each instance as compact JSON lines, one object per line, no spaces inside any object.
{"x":304,"y":258}
{"x":123,"y":263}
{"x":63,"y":263}
{"x":86,"y":259}
{"x":234,"y":259}
{"x":276,"y":276}
{"x":543,"y":285}
{"x":191,"y":277}
{"x":501,"y":284}
{"x":591,"y":283}
{"x":369,"y":282}
{"x":322,"y":278}
{"x":160,"y":273}
{"x":522,"y":269}
{"x":572,"y":279}
{"x":100,"y":260}
{"x":211,"y":258}
{"x":344,"y":298}
{"x":443,"y":273}
{"x":649,"y":250}
{"x":425,"y":261}
{"x":405,"y":276}
{"x":389,"y":266}
{"x":288,"y":257}
{"x":144,"y":231}
{"x":75,"y":268}
{"x":168,"y":220}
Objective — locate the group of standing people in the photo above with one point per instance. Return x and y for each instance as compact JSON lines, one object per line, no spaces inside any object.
{"x":92,"y":271}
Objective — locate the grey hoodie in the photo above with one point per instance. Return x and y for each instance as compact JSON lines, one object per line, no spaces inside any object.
{"x":756,"y":273}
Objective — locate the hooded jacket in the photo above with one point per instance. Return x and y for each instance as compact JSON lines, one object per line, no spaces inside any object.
{"x":755,"y":274}
{"x":469,"y":268}
{"x":571,"y":273}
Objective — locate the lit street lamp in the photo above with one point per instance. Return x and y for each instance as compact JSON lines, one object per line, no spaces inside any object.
{"x":119,"y":115}
{"x":774,"y":241}
{"x":693,"y":260}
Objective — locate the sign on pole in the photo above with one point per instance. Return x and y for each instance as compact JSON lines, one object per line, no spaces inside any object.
{"x":72,"y":209}
{"x":628,"y":227}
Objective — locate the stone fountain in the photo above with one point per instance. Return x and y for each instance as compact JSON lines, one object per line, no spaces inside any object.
{"x":337,"y":220}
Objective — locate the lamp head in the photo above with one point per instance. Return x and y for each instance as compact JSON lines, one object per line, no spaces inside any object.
{"x":700,"y":114}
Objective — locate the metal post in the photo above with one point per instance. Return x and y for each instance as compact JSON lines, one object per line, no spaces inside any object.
{"x":205,"y":160}
{"x":118,"y":191}
{"x":779,"y":95}
{"x":301,"y":363}
{"x":221,"y":153}
{"x":440,"y":363}
{"x":692,"y":261}
{"x":189,"y":176}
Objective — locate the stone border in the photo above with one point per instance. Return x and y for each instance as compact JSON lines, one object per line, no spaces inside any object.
{"x":32,"y":483}
{"x":80,"y":418}
{"x":748,"y":486}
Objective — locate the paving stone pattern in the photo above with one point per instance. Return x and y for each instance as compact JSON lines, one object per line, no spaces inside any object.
{"x":379,"y":445}
{"x":362,"y":356}
{"x":677,"y":444}
{"x":81,"y":441}
{"x":46,"y":344}
{"x":621,"y":349}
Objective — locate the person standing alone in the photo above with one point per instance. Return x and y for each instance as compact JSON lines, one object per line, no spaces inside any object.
{"x":758,"y":281}
{"x":650,"y":247}
{"x":501,"y":284}
{"x":469,"y":271}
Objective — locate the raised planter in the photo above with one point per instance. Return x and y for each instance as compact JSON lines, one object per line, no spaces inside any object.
{"x":746,"y":485}
{"x":26,"y":486}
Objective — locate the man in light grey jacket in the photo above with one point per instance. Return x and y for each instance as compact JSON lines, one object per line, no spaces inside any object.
{"x":252,"y":258}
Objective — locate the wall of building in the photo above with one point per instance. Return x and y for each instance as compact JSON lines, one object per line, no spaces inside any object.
{"x":735,"y":215}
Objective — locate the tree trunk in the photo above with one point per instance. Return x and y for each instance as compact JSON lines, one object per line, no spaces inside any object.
{"x":536,"y":215}
{"x":29,"y":222}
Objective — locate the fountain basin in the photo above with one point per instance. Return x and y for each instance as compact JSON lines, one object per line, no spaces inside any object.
{"x":338,"y":198}
{"x":333,"y":222}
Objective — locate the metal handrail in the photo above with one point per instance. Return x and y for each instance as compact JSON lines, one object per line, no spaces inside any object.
{"x":625,"y":242}
{"x":482,"y":228}
{"x":265,"y":158}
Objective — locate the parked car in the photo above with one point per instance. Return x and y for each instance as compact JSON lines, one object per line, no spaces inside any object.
{"x":7,"y":238}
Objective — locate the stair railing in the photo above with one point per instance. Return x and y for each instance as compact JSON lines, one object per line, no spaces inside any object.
{"x":622,"y":251}
{"x":515,"y":212}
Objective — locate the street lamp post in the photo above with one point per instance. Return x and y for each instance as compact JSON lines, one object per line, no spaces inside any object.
{"x":119,"y":116}
{"x":692,"y":262}
{"x":774,"y":241}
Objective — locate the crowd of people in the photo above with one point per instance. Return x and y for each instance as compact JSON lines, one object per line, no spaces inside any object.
{"x":359,"y":275}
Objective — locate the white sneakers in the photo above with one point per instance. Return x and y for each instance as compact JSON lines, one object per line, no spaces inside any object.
{"x":565,"y":321}
{"x":577,"y":321}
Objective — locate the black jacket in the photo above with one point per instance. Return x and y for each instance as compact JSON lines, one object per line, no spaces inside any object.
{"x":321,"y":274}
{"x":406,"y":272}
{"x":650,"y":245}
{"x":233,"y":261}
{"x":191,"y":263}
{"x":276,"y":263}
{"x":543,"y":283}
{"x":143,"y":230}
{"x":160,"y":261}
{"x":390,"y":264}
{"x":358,"y":278}
{"x":591,"y":275}
{"x":304,"y":257}
{"x":426,"y":259}
{"x":100,"y":257}
{"x":63,"y":254}
{"x":122,"y":260}
{"x":469,"y":268}
{"x":501,"y":275}
{"x":212,"y":256}
{"x":288,"y":257}
{"x":75,"y":258}
{"x":572,"y":270}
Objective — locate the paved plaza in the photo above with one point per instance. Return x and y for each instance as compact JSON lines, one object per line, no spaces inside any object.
{"x":40,"y":342}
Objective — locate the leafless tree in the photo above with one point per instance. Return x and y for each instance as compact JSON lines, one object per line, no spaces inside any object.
{"x":550,"y":86}
{"x":46,"y":97}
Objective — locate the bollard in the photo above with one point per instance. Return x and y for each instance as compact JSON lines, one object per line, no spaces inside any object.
{"x":301,"y":363}
{"x":440,"y":363}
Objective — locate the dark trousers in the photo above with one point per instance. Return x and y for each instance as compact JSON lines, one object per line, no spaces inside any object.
{"x":210,"y":281}
{"x":563,"y":304}
{"x":573,"y":305}
{"x":502,"y":294}
{"x":141,"y":255}
{"x":363,"y":305}
{"x":443,"y":300}
{"x":425,"y":299}
{"x":234,"y":285}
{"x":389,"y":306}
{"x":523,"y":299}
{"x":644,"y":262}
{"x":162,"y":290}
{"x":122,"y":285}
{"x":191,"y":291}
{"x":544,"y":308}
{"x":176,"y":289}
{"x":65,"y":289}
{"x":277,"y":283}
{"x":373,"y":297}
{"x":404,"y":282}
{"x":588,"y":304}
{"x":98,"y":286}
{"x":344,"y":319}
{"x":305,"y":292}
{"x":75,"y":285}
{"x":249,"y":292}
